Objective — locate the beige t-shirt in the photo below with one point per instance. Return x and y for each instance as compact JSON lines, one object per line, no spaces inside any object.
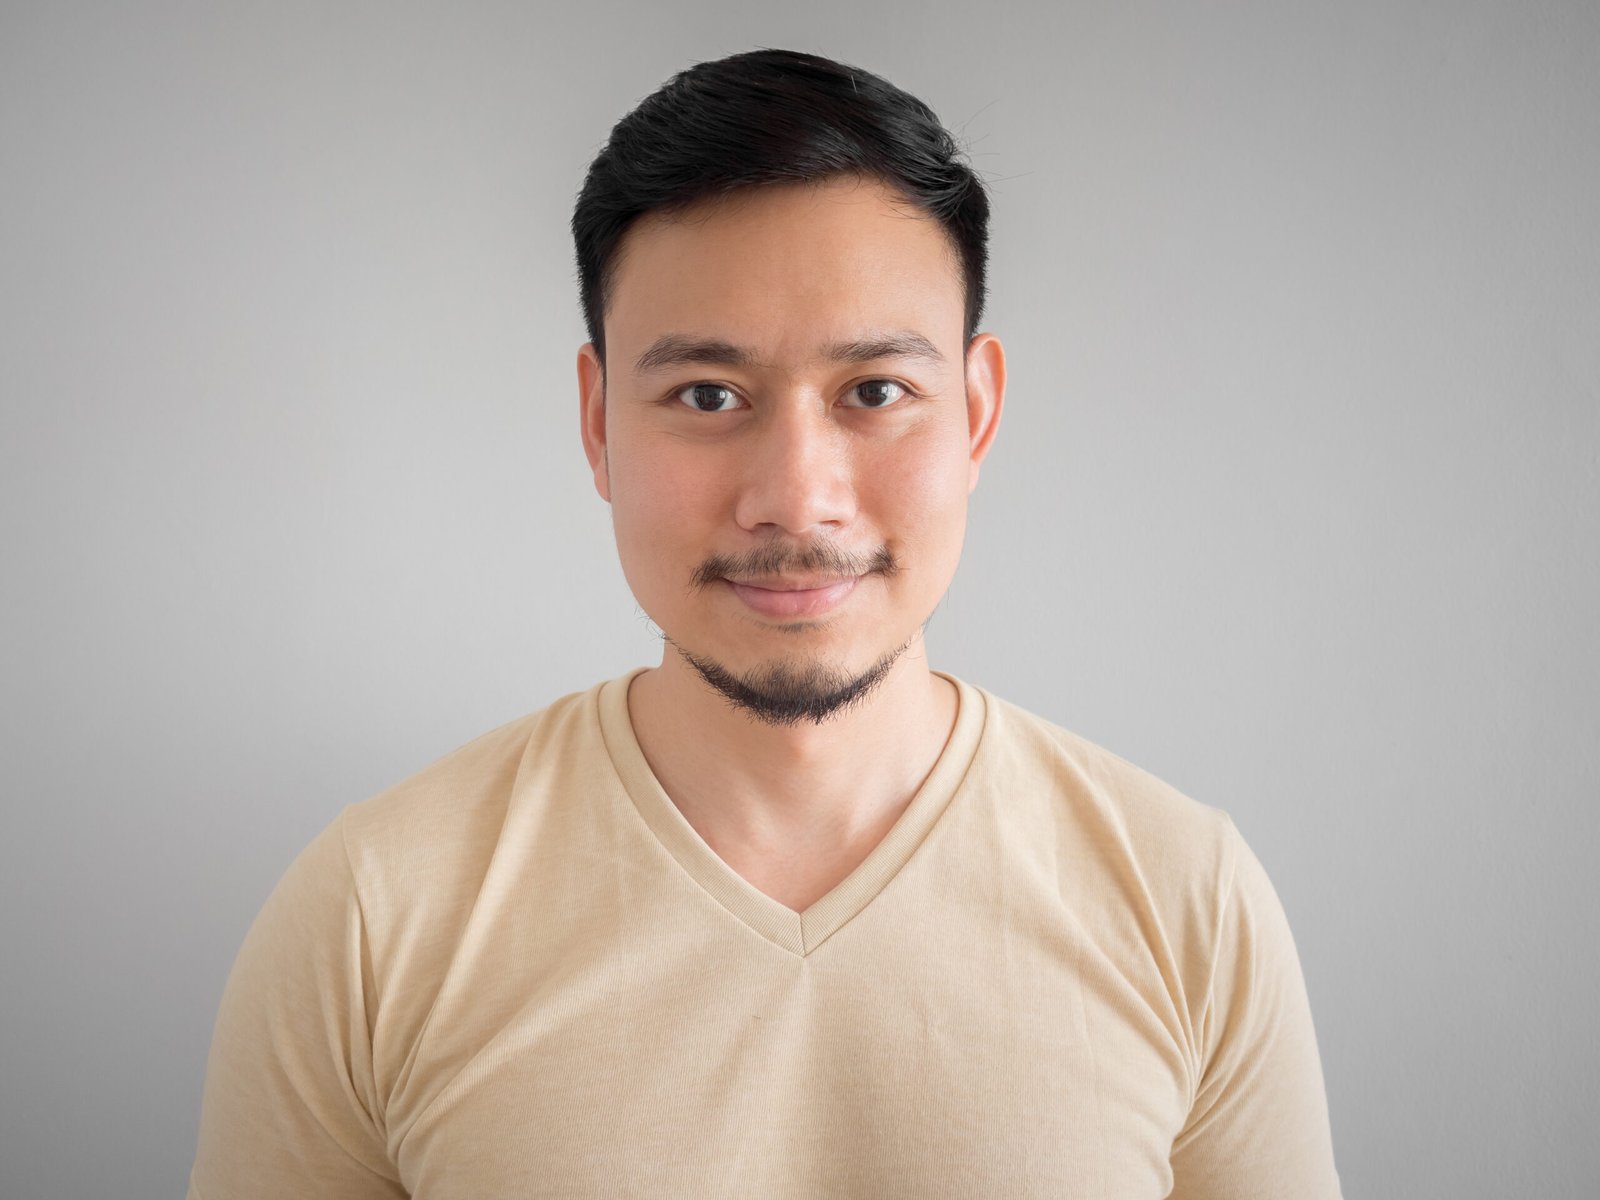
{"x":521,"y":973}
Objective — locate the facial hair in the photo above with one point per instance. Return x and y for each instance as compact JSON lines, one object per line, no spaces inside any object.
{"x":788,"y":692}
{"x":776,"y":558}
{"x":784,"y":693}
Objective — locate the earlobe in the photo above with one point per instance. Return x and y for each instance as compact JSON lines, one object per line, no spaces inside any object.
{"x":592,"y":416}
{"x":986,"y":394}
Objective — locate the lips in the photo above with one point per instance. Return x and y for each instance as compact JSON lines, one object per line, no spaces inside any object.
{"x":790,"y":598}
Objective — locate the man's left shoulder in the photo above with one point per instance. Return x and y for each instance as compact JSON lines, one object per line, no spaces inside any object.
{"x":1118,"y":806}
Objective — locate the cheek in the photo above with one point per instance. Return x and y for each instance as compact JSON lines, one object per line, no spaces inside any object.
{"x":923,"y":497}
{"x":659,"y":505}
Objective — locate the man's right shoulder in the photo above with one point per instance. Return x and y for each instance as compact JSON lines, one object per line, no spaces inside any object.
{"x":446,"y":820}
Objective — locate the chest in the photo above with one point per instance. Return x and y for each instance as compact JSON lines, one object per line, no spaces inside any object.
{"x":1021,"y":1069}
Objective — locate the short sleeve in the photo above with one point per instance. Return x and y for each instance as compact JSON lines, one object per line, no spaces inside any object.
{"x":1258,"y":1128}
{"x":290,"y":1107}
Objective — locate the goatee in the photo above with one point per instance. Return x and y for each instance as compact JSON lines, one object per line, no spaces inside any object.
{"x":786,"y":693}
{"x":790,"y":691}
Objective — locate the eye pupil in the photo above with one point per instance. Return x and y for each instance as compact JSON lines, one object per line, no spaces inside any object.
{"x":709,"y":397}
{"x":876,"y":393}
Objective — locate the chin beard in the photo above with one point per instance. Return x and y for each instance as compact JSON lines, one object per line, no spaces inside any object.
{"x":789,"y":692}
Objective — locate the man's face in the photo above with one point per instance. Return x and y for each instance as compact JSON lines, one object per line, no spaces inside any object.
{"x":787,"y":429}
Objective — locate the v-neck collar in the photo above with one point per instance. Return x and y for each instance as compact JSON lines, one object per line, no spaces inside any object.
{"x":802,"y":932}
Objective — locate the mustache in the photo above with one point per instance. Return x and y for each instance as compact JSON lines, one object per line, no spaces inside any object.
{"x":779,"y":558}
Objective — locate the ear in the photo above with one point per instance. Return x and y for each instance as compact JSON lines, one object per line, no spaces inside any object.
{"x":592,"y":416}
{"x":986,"y":396}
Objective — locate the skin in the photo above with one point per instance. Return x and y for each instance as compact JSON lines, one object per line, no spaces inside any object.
{"x":800,"y":458}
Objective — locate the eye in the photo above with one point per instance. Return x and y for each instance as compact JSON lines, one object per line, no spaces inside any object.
{"x":708,"y":397}
{"x":876,"y":393}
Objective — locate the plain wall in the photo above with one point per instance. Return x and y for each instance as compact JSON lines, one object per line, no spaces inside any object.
{"x":1295,"y":502}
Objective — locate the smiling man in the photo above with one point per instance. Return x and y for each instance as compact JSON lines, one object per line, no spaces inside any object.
{"x":790,"y":914}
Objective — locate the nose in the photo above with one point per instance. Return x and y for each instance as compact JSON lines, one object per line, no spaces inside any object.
{"x":796,"y":473}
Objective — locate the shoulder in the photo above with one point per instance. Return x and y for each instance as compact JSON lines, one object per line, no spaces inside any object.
{"x":1142,"y":873}
{"x":419,"y":850}
{"x":457,"y":804}
{"x":1120,"y":809}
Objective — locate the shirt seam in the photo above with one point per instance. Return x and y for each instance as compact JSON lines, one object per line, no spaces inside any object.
{"x":1202,"y":1057}
{"x":377,"y":1119}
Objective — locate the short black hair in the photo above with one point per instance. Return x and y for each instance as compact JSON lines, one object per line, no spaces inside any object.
{"x":766,"y":117}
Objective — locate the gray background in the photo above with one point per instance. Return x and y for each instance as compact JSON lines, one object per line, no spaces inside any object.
{"x":1295,"y":503}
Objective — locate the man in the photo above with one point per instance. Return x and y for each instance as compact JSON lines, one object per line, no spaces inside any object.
{"x":790,"y":914}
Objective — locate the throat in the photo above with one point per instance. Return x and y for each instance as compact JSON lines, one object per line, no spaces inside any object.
{"x":792,"y":811}
{"x":797,"y":874}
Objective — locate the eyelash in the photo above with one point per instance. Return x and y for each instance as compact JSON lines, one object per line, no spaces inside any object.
{"x":675,"y":397}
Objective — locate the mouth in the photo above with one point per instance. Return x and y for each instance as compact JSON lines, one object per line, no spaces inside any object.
{"x":790,"y":597}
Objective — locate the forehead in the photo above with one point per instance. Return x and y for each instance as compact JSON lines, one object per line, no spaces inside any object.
{"x":786,"y":268}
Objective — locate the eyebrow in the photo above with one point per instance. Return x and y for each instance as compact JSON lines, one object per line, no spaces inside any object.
{"x":676,"y":349}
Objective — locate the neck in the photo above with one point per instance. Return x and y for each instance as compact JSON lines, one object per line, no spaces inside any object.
{"x":793,"y":800}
